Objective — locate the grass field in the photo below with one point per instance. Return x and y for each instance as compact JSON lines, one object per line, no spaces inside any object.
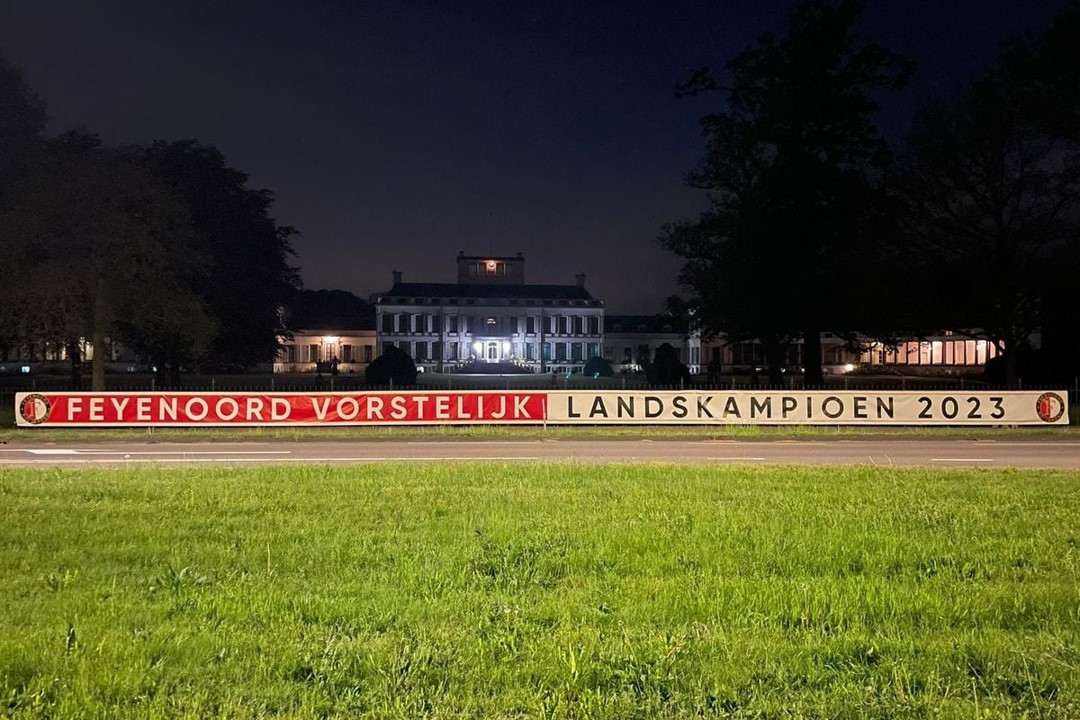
{"x":553,"y":591}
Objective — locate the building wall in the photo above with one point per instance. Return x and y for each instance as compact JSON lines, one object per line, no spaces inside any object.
{"x":627,"y":350}
{"x":445,"y":334}
{"x":352,"y":349}
{"x":946,"y":352}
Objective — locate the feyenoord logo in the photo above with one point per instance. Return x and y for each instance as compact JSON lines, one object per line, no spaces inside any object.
{"x":1050,"y":407}
{"x":35,"y":409}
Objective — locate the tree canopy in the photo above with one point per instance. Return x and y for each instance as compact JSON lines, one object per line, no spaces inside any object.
{"x":793,"y":171}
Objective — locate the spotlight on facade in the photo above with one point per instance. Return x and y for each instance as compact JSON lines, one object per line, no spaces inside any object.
{"x":506,"y":347}
{"x":848,"y":368}
{"x":478,"y":347}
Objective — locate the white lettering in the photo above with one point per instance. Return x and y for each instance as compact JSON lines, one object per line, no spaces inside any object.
{"x":142,"y":409}
{"x":320,"y":412}
{"x":280,"y":409}
{"x":461,"y":414}
{"x":167,"y":406}
{"x":119,"y":404}
{"x":203,"y":409}
{"x":420,"y":401}
{"x":519,"y":407}
{"x":352,"y":412}
{"x":374,"y":407}
{"x":399,"y":412}
{"x":96,"y":408}
{"x":254,"y":409}
{"x":229,"y":416}
{"x":74,"y":406}
{"x":442,"y":407}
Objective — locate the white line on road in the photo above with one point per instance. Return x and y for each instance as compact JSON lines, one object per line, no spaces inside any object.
{"x":961,"y":459}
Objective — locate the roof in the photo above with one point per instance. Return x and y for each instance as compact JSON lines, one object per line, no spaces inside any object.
{"x":652,"y":324}
{"x":491,"y":291}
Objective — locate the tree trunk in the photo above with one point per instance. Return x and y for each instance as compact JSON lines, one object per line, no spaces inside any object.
{"x":813,"y":376}
{"x":97,"y":375}
{"x":75,"y":358}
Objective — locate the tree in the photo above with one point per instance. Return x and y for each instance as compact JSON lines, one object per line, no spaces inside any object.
{"x":101,"y":247}
{"x":22,"y":124}
{"x":666,"y":369}
{"x":597,"y":367}
{"x":794,"y":170}
{"x":990,"y":196}
{"x":249,"y":276}
{"x":393,"y":367}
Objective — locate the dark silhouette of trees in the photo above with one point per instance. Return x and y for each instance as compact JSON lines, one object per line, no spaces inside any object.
{"x":22,"y":124}
{"x":249,"y":277}
{"x":991,"y":192}
{"x":794,"y":169}
{"x":666,"y":369}
{"x":100,"y":249}
{"x":329,"y":308}
{"x":393,"y":367}
{"x":597,"y":367}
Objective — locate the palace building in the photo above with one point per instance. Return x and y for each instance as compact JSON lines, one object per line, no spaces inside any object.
{"x":491,"y":315}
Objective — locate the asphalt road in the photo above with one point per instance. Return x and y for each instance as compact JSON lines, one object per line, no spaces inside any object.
{"x":927,"y":453}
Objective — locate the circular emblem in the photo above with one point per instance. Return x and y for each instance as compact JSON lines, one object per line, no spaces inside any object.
{"x":1050,"y":407}
{"x":35,"y":409}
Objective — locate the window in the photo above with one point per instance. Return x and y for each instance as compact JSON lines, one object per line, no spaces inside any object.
{"x":575,"y":351}
{"x":594,"y":325}
{"x":387,"y":323}
{"x":547,"y":351}
{"x":579,"y":325}
{"x":290,"y":354}
{"x":452,"y":351}
{"x":436,"y":323}
{"x":347,"y":353}
{"x":560,"y":352}
{"x":530,"y":351}
{"x":512,"y":322}
{"x":563,"y":325}
{"x":387,"y":344}
{"x":530,"y":325}
{"x":452,"y":324}
{"x":367,"y":353}
{"x":421,"y":350}
{"x":313,"y":353}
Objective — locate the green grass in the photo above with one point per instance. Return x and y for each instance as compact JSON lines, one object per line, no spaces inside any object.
{"x":488,"y":590}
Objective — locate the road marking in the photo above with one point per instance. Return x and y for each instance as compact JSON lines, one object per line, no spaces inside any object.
{"x":961,"y":459}
{"x":53,"y":452}
{"x":183,"y":452}
{"x":148,"y":460}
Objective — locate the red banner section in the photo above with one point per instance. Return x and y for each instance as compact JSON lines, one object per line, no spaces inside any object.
{"x":187,"y":409}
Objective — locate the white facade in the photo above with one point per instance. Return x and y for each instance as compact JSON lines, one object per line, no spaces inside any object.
{"x":313,"y":350}
{"x":491,"y":316}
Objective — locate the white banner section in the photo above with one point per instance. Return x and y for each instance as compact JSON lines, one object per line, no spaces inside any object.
{"x":809,"y":408}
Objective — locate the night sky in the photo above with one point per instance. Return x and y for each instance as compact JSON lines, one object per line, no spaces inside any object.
{"x":397,"y":133}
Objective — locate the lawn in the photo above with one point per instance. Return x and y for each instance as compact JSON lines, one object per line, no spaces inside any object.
{"x":488,"y":590}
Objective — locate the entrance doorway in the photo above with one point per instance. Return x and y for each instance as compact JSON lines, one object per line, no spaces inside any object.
{"x":493,"y":352}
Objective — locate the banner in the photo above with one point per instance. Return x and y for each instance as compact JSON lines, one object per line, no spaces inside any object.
{"x":810,"y":408}
{"x":177,"y":409}
{"x":144,"y":409}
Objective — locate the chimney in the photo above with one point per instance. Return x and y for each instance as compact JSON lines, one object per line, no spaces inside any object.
{"x":580,"y":277}
{"x":397,"y":276}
